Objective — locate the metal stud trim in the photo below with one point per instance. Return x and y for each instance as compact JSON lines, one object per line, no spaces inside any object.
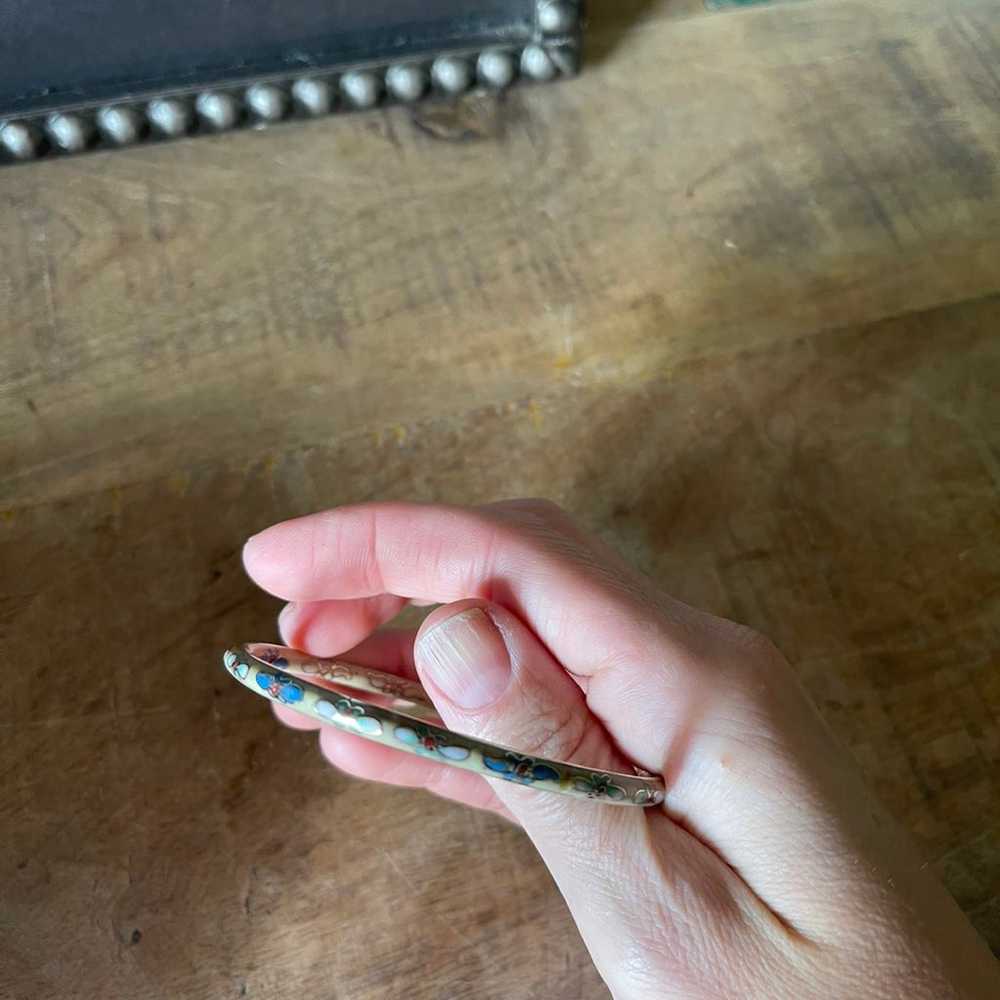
{"x":558,"y":17}
{"x":159,"y":117}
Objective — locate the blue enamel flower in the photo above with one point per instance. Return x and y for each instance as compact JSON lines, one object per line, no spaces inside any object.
{"x":234,"y":666}
{"x":274,"y":658}
{"x":523,"y":770}
{"x":282,"y":689}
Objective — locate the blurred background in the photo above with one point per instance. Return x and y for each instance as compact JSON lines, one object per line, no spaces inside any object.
{"x":732,"y":297}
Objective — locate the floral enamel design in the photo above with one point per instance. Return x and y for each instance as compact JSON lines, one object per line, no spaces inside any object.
{"x":428,"y":743}
{"x":394,"y":686}
{"x":598,"y":786}
{"x":282,"y":689}
{"x":316,"y":668}
{"x":523,"y":770}
{"x":273,"y":657}
{"x":386,"y":684}
{"x":233,"y":665}
{"x":344,"y":710}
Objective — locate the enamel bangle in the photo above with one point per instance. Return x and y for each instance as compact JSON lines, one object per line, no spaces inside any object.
{"x":395,"y":712}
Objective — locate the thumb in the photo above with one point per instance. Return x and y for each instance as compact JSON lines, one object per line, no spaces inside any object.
{"x":629,"y":875}
{"x":490,"y":677}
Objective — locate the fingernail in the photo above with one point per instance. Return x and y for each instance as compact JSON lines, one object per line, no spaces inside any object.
{"x":249,"y":546}
{"x":285,"y":614}
{"x":466,"y":659}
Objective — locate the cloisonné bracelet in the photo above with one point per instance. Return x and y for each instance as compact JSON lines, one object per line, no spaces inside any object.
{"x":398,"y":713}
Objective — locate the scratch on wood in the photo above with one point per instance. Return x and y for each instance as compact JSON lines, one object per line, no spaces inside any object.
{"x":862,"y":184}
{"x":709,"y":175}
{"x":48,"y":284}
{"x":975,"y":40}
{"x":401,"y":872}
{"x":947,"y":137}
{"x":411,"y":885}
{"x":248,"y":895}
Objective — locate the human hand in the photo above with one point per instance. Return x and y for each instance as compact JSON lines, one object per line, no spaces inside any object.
{"x":769,"y":871}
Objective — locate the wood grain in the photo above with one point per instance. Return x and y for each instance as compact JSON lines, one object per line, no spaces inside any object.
{"x":733,"y":296}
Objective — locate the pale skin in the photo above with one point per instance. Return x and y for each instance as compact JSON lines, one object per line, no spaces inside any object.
{"x":769,"y":872}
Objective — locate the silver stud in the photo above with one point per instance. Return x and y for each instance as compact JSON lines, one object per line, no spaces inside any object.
{"x":451,"y":74}
{"x":315,"y":97}
{"x":557,"y":17}
{"x":217,"y":111}
{"x":360,"y":89}
{"x":267,"y":102}
{"x":496,"y":69}
{"x":70,"y":133}
{"x":119,"y":125}
{"x":169,"y":116}
{"x":19,"y":140}
{"x":537,"y":63}
{"x":406,"y":82}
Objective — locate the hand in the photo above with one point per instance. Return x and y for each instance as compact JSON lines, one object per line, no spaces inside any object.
{"x":769,"y":872}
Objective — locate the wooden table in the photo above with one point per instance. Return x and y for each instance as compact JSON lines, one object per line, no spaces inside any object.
{"x":733,"y":296}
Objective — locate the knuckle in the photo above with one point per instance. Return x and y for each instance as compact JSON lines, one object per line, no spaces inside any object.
{"x":534,"y":514}
{"x":539,"y":506}
{"x":752,"y":641}
{"x":556,"y":732}
{"x":752,"y":648}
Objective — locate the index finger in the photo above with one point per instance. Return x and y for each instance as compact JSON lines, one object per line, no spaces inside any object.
{"x":519,"y":556}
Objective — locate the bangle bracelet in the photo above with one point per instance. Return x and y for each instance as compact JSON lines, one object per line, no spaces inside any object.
{"x":398,"y":713}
